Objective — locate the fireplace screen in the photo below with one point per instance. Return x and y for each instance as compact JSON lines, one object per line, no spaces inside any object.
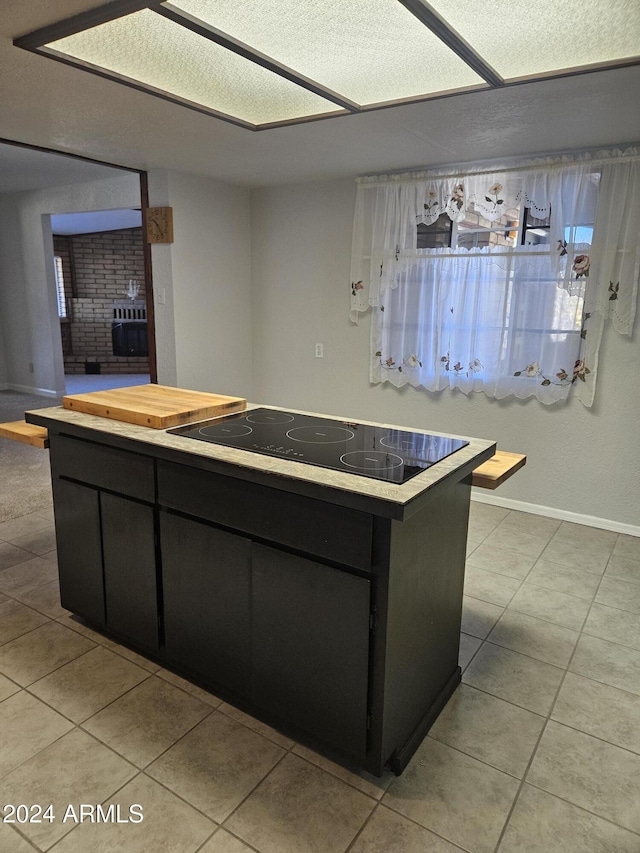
{"x":130,"y":339}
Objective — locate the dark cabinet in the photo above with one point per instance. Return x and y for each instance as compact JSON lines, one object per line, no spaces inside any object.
{"x":207,"y":601}
{"x":311,"y":646}
{"x":106,"y":541}
{"x":316,"y":527}
{"x":288,"y":633}
{"x":79,"y":540}
{"x":130,"y":570}
{"x":105,"y":467}
{"x":331,"y":621}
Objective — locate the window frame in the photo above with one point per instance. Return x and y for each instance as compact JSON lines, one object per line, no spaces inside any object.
{"x":61,"y":289}
{"x":521,"y":228}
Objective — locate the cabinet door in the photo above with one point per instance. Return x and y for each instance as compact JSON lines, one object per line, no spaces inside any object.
{"x":128,"y":544}
{"x":207,"y":609}
{"x":77,"y":514}
{"x":311,"y":646}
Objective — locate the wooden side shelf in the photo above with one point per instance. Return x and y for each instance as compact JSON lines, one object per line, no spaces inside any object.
{"x":496,"y":470}
{"x":36,"y":436}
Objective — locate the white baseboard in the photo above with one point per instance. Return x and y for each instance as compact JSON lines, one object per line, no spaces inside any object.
{"x":28,"y":389}
{"x":484,"y":497}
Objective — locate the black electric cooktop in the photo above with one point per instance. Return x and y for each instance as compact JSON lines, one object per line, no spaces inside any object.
{"x":384,"y":454}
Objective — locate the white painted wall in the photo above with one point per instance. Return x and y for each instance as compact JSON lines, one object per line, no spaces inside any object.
{"x":29,"y":325}
{"x":203,"y":330}
{"x":3,"y":362}
{"x":584,"y":461}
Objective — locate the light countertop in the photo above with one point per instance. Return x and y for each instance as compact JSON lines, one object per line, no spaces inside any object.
{"x":399,"y":495}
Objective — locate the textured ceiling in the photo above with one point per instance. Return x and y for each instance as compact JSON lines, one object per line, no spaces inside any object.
{"x":56,"y":106}
{"x":24,"y":169}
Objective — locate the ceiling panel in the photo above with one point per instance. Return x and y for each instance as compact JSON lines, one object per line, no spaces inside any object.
{"x":524,"y":38}
{"x":148,"y":48}
{"x":370,"y":51}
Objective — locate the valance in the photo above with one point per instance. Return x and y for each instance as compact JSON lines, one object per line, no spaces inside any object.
{"x":603,"y":189}
{"x":496,"y":303}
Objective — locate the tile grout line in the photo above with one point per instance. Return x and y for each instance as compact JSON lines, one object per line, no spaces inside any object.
{"x":253,"y":789}
{"x":544,"y":729}
{"x":409,"y":820}
{"x":28,"y":840}
{"x":564,"y":669}
{"x":583,"y":809}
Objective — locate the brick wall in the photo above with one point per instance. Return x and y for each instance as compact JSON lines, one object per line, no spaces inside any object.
{"x":97,"y":269}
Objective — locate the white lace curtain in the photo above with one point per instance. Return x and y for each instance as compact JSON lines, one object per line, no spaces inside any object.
{"x":524,"y":321}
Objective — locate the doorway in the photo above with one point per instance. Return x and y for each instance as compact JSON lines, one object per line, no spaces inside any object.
{"x":35,"y":184}
{"x":102,"y":306}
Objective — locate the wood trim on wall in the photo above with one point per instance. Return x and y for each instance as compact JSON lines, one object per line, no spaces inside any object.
{"x":148,"y":283}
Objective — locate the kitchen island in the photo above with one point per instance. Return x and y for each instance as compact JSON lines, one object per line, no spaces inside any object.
{"x":324,"y":602}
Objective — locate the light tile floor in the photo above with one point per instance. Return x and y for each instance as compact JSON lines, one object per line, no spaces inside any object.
{"x":538,"y":750}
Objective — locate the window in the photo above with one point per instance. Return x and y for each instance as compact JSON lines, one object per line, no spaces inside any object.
{"x":493,"y":300}
{"x":60,"y":288}
{"x":464,"y":320}
{"x":536,"y":229}
{"x":514,"y":228}
{"x":437,"y":235}
{"x":498,"y":281}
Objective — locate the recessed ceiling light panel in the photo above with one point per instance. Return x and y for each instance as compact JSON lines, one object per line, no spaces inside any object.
{"x":149,"y":49}
{"x":370,"y":51}
{"x":522,"y":39}
{"x":265,"y":63}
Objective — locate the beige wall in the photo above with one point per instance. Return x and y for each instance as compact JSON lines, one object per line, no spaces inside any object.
{"x":203,"y":329}
{"x":580,"y":461}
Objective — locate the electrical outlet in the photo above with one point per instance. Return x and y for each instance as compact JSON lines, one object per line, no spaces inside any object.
{"x":319,"y":350}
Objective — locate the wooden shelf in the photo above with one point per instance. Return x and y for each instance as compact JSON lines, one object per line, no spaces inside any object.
{"x":496,"y":470}
{"x":26,"y":433}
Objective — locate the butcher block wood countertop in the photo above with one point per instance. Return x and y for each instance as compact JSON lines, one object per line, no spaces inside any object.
{"x":154,"y":406}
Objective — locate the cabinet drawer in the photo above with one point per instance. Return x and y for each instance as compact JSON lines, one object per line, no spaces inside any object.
{"x":315,"y":527}
{"x":98,"y":465}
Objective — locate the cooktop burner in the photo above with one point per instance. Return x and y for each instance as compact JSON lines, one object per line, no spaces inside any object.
{"x":384,"y":454}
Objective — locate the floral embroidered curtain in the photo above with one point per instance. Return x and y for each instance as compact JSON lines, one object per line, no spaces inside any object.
{"x":525,"y":320}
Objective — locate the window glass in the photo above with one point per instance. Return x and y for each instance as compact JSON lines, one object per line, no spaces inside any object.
{"x":435,"y":236}
{"x":60,"y":289}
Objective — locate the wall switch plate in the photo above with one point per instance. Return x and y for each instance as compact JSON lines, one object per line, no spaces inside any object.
{"x":319,"y":350}
{"x":162,"y":296}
